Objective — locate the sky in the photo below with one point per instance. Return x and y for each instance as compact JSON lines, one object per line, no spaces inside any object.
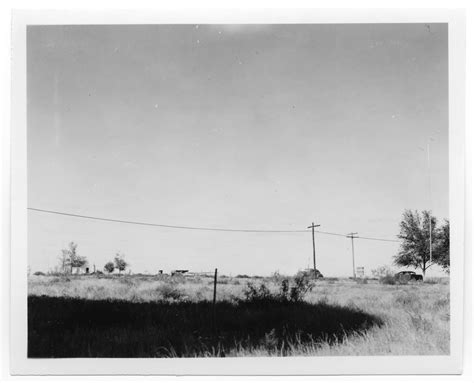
{"x":267,"y":127}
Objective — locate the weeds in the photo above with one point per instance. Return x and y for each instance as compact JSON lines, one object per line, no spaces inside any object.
{"x":295,"y":292}
{"x":169,"y":291}
{"x":416,"y":317}
{"x":62,"y":327}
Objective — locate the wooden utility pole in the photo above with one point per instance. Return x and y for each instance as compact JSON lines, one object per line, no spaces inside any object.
{"x":430,"y":199}
{"x":314,"y":248}
{"x":352,"y":236}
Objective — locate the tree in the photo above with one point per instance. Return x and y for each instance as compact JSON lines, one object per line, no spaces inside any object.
{"x":109,"y":267}
{"x":64,"y":261}
{"x":70,"y":259}
{"x":120,"y":263}
{"x":382,"y":271}
{"x":415,"y":235}
{"x":442,"y":248}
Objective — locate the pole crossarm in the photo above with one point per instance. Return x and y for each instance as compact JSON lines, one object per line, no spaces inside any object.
{"x":352,"y":235}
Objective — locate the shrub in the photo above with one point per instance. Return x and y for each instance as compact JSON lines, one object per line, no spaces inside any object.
{"x":381,"y":272}
{"x":294,"y":292}
{"x":277,"y":278}
{"x":169,"y":291}
{"x":254,"y":293}
{"x":303,"y":284}
{"x":39,"y":273}
{"x":362,"y":281}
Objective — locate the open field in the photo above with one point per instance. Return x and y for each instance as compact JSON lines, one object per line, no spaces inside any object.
{"x":160,"y":316}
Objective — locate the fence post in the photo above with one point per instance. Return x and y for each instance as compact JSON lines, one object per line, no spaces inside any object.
{"x":214,"y":302}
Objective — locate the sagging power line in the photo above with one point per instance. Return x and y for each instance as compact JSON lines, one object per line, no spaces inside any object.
{"x":217,"y":229}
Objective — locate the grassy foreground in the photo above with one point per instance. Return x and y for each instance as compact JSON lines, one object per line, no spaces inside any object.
{"x":146,"y":316}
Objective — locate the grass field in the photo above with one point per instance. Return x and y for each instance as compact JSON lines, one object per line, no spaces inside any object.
{"x":160,"y":316}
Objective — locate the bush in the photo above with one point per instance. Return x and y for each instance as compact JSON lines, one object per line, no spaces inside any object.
{"x":168,"y":291}
{"x":303,"y":284}
{"x":277,"y":278}
{"x":254,"y":293}
{"x":294,"y":292}
{"x":39,"y":273}
{"x":381,"y":272}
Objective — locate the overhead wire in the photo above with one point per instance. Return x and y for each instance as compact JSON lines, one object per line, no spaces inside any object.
{"x":200,"y":228}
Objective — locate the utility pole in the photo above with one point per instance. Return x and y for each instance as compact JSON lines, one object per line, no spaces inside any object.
{"x":430,"y":198}
{"x":352,"y":236}
{"x":314,"y":249}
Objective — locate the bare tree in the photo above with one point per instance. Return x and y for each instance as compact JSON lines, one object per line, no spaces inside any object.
{"x":64,"y":261}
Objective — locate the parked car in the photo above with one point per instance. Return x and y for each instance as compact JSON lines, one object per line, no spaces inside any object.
{"x":310,"y":273}
{"x":408,"y":276}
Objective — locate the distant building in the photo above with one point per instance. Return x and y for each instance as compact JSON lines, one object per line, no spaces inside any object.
{"x":178,"y":272}
{"x":80,"y":270}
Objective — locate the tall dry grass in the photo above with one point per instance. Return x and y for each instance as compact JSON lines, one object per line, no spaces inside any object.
{"x":414,"y":317}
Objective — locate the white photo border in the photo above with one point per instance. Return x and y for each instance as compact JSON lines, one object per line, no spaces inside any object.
{"x":340,"y":365}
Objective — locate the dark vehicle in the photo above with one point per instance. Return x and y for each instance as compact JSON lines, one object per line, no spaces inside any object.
{"x":310,"y":273}
{"x":408,"y":276}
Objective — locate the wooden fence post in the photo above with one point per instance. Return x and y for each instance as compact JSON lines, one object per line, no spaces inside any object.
{"x":214,"y":302}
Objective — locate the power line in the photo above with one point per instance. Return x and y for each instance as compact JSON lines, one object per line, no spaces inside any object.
{"x":196,"y":227}
{"x":368,"y":238}
{"x":380,"y":239}
{"x":167,"y":226}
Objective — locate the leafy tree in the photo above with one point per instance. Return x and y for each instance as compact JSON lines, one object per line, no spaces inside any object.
{"x":120,"y":263}
{"x":415,"y":235}
{"x":109,"y":267}
{"x":442,"y":248}
{"x":70,"y":259}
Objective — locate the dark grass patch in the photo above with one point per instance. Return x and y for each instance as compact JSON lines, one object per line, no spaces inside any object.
{"x":69,"y":327}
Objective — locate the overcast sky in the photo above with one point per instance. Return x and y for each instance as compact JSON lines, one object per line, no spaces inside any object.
{"x":245,"y":127}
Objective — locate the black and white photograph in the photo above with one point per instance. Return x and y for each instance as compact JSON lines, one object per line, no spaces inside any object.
{"x":238,"y":190}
